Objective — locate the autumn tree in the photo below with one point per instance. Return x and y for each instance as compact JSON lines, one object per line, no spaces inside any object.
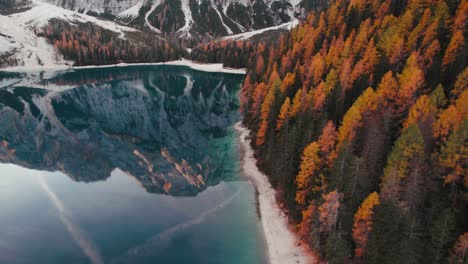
{"x":363,"y":222}
{"x":284,"y":114}
{"x":453,"y":159}
{"x":310,"y":164}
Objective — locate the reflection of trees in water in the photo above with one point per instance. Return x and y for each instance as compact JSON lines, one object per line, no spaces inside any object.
{"x":88,"y":131}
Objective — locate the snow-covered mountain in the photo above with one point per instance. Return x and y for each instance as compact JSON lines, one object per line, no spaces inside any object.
{"x":23,"y":23}
{"x":212,"y":18}
{"x":36,"y":35}
{"x":21,"y":46}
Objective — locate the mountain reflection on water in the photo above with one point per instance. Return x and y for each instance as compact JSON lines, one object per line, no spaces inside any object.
{"x":166,"y":126}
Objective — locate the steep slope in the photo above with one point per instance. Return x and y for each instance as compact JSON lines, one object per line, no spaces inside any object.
{"x":189,"y":18}
{"x":26,"y":34}
{"x":360,"y":119}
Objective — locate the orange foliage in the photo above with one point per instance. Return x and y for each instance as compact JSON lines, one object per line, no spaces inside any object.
{"x":363,"y":222}
{"x":310,"y":163}
{"x":288,"y":81}
{"x":421,"y":112}
{"x":354,"y":117}
{"x":305,"y":227}
{"x":317,"y":155}
{"x":411,"y":81}
{"x":452,"y":117}
{"x":260,"y":65}
{"x":284,"y":114}
{"x":454,"y":49}
{"x":327,"y":143}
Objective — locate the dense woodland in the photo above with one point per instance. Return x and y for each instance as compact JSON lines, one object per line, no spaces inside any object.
{"x":88,"y":44}
{"x":234,"y":54}
{"x":360,"y":118}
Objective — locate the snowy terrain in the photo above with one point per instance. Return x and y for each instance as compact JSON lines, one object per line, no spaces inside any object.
{"x":97,"y":6}
{"x":33,"y":77}
{"x":286,"y":26}
{"x":32,"y":52}
{"x":147,"y":23}
{"x":206,"y":67}
{"x":224,"y":17}
{"x":281,"y":242}
{"x":185,"y":30}
{"x":133,"y":11}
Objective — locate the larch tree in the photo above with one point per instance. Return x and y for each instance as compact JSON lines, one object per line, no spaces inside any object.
{"x":411,"y":81}
{"x":404,"y":181}
{"x":310,"y":164}
{"x":284,"y":114}
{"x":423,"y":114}
{"x":451,"y":117}
{"x":454,"y":50}
{"x":453,"y":158}
{"x":354,"y":116}
{"x":363,"y":222}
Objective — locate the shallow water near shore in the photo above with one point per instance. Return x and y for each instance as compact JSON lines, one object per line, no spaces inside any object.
{"x":124,"y":165}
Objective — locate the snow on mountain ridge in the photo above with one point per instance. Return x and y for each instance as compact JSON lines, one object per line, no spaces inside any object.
{"x":133,"y":11}
{"x":188,"y":17}
{"x":96,"y":6}
{"x":185,"y":30}
{"x":34,"y":51}
{"x":156,"y":3}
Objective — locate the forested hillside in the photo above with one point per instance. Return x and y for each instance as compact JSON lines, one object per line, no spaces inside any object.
{"x":88,"y":44}
{"x":360,"y":118}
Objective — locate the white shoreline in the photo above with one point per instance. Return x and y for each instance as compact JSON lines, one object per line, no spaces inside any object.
{"x":282,"y":244}
{"x":205,"y":67}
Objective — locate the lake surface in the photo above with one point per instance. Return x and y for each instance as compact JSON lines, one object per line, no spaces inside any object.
{"x":124,"y":165}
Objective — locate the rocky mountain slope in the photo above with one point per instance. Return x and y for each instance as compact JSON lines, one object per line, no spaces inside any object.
{"x":188,"y":18}
{"x":43,"y":34}
{"x":38,"y":35}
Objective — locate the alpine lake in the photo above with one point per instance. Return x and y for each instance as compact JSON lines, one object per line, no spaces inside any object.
{"x":133,"y":164}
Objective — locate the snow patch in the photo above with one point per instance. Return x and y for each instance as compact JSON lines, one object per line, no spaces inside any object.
{"x":228,"y":29}
{"x":206,"y":67}
{"x":96,"y":6}
{"x":132,"y":12}
{"x":242,"y":36}
{"x":156,"y":3}
{"x":185,"y":30}
{"x":281,"y":242}
{"x":5,"y":45}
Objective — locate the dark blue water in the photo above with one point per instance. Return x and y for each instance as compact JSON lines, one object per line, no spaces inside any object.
{"x":124,"y":165}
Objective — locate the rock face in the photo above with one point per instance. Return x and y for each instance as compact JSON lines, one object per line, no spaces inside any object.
{"x":168,"y":129}
{"x":188,"y":18}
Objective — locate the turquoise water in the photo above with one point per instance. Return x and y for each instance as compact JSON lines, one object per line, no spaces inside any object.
{"x":124,"y":165}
